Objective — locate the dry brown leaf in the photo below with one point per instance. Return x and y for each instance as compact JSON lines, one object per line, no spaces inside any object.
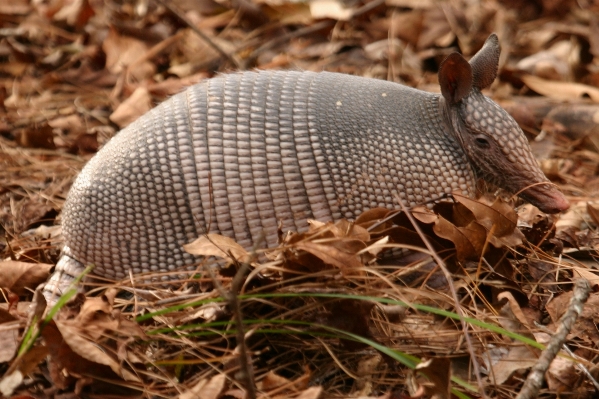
{"x":589,"y":274}
{"x":438,"y":373}
{"x":469,"y":241}
{"x":91,"y":351}
{"x":562,"y":374}
{"x":85,"y":144}
{"x":349,"y":245}
{"x":372,"y":215}
{"x":288,"y":13}
{"x":216,"y":245}
{"x":194,"y":391}
{"x":376,"y":247}
{"x":16,"y":69}
{"x":206,"y":389}
{"x":97,"y":318}
{"x":272,"y":380}
{"x":123,"y":51}
{"x":406,"y":236}
{"x":196,"y":50}
{"x":553,"y":64}
{"x":424,"y":214}
{"x":529,"y":215}
{"x":593,"y":212}
{"x":132,"y":108}
{"x":574,"y":217}
{"x":499,"y":215}
{"x":331,"y":255}
{"x":214,"y":387}
{"x":97,"y":337}
{"x":9,"y":336}
{"x":506,"y":361}
{"x":518,"y":357}
{"x":75,"y":13}
{"x":512,"y":316}
{"x":345,"y":229}
{"x":575,"y":121}
{"x":20,"y":276}
{"x":65,"y":365}
{"x":561,"y":90}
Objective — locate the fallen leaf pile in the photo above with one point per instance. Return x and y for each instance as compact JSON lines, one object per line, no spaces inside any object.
{"x":394,"y":304}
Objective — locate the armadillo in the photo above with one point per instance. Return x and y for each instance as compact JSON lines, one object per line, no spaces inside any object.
{"x":241,"y":153}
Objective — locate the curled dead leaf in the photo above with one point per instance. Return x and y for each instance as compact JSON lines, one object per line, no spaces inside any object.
{"x":469,"y":241}
{"x":20,"y":276}
{"x":206,"y":389}
{"x":331,"y":255}
{"x":593,"y":211}
{"x":497,"y":216}
{"x":561,"y":90}
{"x":133,"y":107}
{"x":493,"y":214}
{"x":91,"y":351}
{"x":216,"y":245}
{"x":9,"y":335}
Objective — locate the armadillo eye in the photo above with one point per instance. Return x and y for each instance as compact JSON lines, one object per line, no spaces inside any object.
{"x":482,"y":142}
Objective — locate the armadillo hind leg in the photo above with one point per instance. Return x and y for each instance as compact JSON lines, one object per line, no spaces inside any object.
{"x":66,"y":271}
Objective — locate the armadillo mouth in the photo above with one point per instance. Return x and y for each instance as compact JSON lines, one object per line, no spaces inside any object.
{"x":546,"y":197}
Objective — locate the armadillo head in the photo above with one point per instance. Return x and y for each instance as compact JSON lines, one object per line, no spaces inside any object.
{"x":494,"y":143}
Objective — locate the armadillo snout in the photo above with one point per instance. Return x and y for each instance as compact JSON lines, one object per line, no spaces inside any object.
{"x":546,"y":197}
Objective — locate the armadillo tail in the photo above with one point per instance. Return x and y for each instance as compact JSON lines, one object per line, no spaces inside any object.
{"x":66,"y":271}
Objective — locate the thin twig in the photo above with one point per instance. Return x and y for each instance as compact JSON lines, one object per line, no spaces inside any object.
{"x":282,"y":39}
{"x":454,"y":294}
{"x":246,"y":367}
{"x":172,"y":8}
{"x":536,"y":377}
{"x":247,"y":372}
{"x":573,"y":355}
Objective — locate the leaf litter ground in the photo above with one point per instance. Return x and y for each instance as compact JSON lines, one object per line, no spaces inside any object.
{"x":319,"y":316}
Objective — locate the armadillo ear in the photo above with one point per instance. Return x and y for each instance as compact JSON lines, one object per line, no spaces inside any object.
{"x":485,"y":63}
{"x":455,"y":78}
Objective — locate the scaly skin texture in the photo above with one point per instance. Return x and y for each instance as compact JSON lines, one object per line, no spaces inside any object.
{"x":240,"y":153}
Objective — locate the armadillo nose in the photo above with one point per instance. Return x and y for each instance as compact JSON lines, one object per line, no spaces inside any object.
{"x":551,"y":201}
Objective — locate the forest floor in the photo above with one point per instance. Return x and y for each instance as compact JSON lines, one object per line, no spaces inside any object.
{"x":473,"y":312}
